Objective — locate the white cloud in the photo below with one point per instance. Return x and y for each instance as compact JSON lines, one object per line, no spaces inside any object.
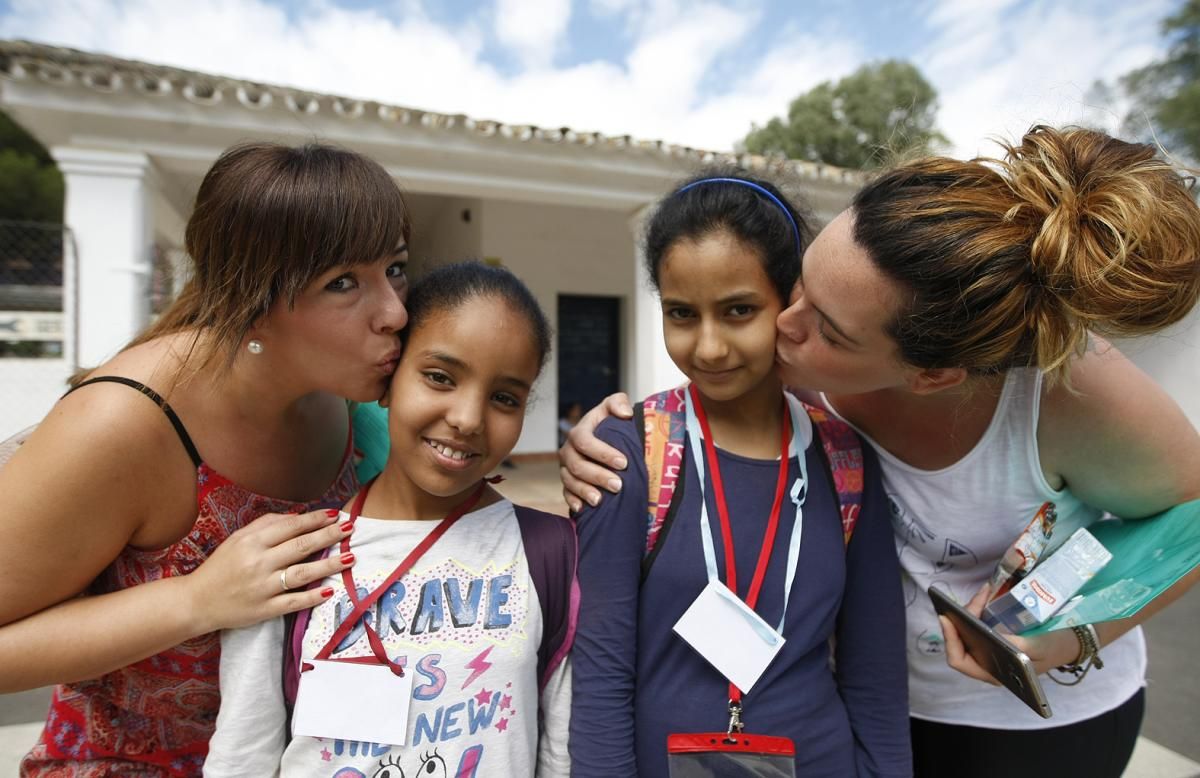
{"x":783,"y":73}
{"x":325,"y":48}
{"x":534,"y":30}
{"x":1003,"y":68}
{"x":612,"y":7}
{"x":661,"y":89}
{"x":695,"y":72}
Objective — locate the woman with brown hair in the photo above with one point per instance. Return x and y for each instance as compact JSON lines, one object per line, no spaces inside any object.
{"x":953,"y":315}
{"x":225,"y":424}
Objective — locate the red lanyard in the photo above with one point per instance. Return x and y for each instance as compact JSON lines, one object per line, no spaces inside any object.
{"x":764,"y":555}
{"x":361,"y":606}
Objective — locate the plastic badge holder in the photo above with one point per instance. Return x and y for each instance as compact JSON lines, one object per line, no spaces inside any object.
{"x":718,"y":755}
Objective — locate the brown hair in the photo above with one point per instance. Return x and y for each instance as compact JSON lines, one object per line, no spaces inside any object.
{"x":268,"y":220}
{"x":1011,"y":262}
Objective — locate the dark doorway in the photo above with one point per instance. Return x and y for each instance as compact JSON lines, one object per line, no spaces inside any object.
{"x":589,"y":349}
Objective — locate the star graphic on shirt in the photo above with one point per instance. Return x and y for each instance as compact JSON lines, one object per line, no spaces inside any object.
{"x":502,"y":725}
{"x":484,"y":697}
{"x":506,"y":701}
{"x":326,"y":755}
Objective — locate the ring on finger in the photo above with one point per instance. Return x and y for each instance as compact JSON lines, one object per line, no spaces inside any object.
{"x":283,"y":580}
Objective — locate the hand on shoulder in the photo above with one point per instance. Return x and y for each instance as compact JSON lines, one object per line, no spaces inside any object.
{"x":584,"y":459}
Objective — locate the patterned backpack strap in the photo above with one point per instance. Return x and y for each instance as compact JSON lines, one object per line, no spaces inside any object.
{"x":664,"y":431}
{"x":843,"y":451}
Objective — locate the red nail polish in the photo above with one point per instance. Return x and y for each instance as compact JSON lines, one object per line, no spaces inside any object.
{"x":331,"y":512}
{"x":348,"y":558}
{"x":346,"y":525}
{"x":327,"y":592}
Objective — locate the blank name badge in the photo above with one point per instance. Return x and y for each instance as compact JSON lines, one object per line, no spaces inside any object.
{"x":732,"y":637}
{"x":349,"y":701}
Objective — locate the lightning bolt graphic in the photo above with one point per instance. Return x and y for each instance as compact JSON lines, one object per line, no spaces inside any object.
{"x":478,"y":666}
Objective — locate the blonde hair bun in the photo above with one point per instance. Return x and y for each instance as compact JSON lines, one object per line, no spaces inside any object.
{"x":1011,"y":262}
{"x":1116,"y":233}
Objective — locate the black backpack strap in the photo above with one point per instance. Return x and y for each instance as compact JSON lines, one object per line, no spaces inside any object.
{"x":180,"y":430}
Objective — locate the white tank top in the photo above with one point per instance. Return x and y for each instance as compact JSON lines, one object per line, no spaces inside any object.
{"x":952,"y":525}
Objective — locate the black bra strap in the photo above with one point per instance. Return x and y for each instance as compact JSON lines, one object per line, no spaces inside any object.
{"x":156,"y":397}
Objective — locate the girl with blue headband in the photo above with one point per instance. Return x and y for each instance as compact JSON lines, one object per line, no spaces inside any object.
{"x":715,"y":583}
{"x":955,"y":314}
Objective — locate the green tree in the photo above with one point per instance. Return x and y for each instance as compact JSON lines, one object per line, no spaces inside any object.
{"x":1167,"y":92}
{"x":31,"y":187}
{"x":880,"y":110}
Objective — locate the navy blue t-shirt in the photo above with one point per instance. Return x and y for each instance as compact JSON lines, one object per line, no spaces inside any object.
{"x":635,"y":681}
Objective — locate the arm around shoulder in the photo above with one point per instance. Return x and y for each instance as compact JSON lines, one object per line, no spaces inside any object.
{"x":585,"y":456}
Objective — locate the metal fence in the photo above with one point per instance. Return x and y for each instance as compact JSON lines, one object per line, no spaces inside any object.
{"x":38,"y":323}
{"x":33,"y":318}
{"x":37,"y":328}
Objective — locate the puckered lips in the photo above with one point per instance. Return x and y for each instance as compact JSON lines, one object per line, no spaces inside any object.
{"x":389,"y":362}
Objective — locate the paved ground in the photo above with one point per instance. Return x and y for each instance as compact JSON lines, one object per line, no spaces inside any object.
{"x":1169,"y":747}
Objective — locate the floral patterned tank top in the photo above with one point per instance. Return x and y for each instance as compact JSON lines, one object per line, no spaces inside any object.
{"x":155,"y":717}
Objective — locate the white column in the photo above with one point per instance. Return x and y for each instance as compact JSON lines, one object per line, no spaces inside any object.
{"x":109,"y":211}
{"x":653,"y":368}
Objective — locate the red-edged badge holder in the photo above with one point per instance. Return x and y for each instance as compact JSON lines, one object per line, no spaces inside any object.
{"x":732,"y":754}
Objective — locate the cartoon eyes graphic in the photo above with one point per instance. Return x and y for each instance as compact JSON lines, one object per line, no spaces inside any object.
{"x":389,"y":769}
{"x":432,"y":766}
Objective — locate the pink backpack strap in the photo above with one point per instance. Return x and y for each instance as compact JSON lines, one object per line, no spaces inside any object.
{"x":843,"y":451}
{"x":664,"y":427}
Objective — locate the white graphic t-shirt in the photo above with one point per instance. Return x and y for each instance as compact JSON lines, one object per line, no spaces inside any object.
{"x":465,"y":621}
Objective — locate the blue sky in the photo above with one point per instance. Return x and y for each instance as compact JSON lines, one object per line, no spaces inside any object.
{"x":698,"y":73}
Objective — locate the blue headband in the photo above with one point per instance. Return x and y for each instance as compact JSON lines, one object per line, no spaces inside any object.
{"x":762,"y":191}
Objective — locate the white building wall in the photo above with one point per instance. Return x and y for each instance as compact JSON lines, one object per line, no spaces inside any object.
{"x":28,"y":388}
{"x":445,"y":229}
{"x":655,"y":370}
{"x":562,"y":250}
{"x":1172,"y":358}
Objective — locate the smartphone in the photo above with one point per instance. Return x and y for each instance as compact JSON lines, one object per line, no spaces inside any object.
{"x":1007,"y":663}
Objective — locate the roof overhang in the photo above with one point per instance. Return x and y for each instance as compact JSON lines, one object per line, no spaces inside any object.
{"x":183,"y":119}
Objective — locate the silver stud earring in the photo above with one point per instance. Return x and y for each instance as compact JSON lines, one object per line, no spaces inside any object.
{"x":254,"y":347}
